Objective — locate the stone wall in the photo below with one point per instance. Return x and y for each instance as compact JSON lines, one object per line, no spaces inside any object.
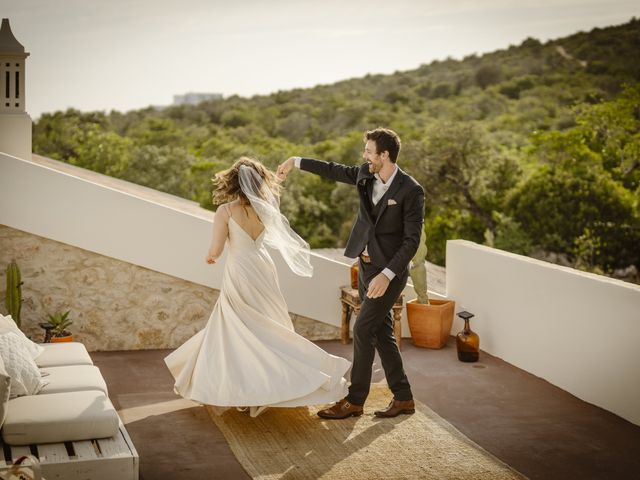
{"x":114,"y":305}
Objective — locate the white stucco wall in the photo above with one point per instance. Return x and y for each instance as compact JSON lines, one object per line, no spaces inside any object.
{"x":577,"y":330}
{"x":76,"y":211}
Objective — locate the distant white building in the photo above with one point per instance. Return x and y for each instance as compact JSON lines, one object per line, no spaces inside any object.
{"x":15,"y":122}
{"x":193,"y":98}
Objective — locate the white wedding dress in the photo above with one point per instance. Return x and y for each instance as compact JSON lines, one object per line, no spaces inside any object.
{"x":248,"y":354}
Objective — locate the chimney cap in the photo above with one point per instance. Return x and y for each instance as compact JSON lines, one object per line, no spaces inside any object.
{"x":8,"y":43}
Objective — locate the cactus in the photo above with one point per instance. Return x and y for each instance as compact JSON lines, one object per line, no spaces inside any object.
{"x":418,"y":271}
{"x":13,"y":299}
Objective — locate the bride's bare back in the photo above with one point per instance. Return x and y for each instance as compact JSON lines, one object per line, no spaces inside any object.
{"x":245,"y":216}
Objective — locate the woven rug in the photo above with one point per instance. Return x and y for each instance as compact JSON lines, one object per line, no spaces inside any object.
{"x":294,"y":443}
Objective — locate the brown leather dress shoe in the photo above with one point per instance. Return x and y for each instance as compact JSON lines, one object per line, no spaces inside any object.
{"x":397,"y":407}
{"x":340,"y":410}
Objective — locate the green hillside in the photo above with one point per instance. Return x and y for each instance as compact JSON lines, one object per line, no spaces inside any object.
{"x":534,"y":149}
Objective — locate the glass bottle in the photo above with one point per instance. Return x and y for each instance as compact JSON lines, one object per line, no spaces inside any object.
{"x":467,"y":341}
{"x":354,"y":275}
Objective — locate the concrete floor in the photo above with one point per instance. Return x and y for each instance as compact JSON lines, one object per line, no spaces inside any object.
{"x":538,"y":429}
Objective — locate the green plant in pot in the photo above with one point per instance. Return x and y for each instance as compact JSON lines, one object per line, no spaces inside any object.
{"x":430,"y":320}
{"x":60,"y":322}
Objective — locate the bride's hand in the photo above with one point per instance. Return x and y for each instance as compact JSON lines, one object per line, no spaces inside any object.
{"x":210,"y":259}
{"x":285,"y":168}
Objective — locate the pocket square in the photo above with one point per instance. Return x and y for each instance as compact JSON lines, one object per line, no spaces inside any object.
{"x":392,"y":202}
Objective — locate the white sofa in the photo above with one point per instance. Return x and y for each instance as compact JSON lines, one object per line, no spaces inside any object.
{"x":54,"y":404}
{"x":73,"y":405}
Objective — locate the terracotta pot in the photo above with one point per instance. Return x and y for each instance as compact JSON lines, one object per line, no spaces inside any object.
{"x":68,"y":338}
{"x":430,"y":325}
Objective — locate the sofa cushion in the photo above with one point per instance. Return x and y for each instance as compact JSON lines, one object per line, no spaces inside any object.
{"x":24,"y":373}
{"x":73,"y":378}
{"x":59,"y":417}
{"x":7,"y":324}
{"x":61,"y":354}
{"x":5,"y":381}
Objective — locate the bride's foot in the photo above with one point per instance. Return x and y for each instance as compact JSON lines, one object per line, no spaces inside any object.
{"x":242,"y":409}
{"x":255,"y":411}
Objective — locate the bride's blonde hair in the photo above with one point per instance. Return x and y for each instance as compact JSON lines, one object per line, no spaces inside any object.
{"x":227,"y":182}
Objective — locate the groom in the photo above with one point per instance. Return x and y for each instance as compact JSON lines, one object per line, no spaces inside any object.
{"x":385,"y":237}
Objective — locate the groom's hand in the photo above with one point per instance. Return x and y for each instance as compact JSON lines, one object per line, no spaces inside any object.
{"x":285,"y":168}
{"x":378,"y":286}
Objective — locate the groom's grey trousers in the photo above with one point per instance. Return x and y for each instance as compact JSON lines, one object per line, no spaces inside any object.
{"x":373,"y":330}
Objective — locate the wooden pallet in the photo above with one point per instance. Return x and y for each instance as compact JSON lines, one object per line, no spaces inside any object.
{"x":99,"y":459}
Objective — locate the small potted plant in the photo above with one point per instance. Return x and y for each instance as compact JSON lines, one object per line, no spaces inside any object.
{"x":59,"y":323}
{"x":429,"y":320}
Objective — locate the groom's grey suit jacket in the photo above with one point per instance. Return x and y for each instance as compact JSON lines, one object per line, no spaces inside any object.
{"x":391,"y":229}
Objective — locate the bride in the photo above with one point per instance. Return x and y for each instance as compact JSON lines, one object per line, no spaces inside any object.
{"x":248,"y":354}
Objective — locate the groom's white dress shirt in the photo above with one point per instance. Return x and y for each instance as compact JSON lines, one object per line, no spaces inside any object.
{"x":379,"y":189}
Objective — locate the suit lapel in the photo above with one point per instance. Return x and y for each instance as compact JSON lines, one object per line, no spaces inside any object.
{"x":393,"y":189}
{"x":363,"y":174}
{"x":364,"y":182}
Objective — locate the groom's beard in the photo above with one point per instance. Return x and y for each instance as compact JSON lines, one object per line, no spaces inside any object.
{"x":374,"y":168}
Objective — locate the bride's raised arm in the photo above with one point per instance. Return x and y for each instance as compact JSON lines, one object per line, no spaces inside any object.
{"x":219,"y":234}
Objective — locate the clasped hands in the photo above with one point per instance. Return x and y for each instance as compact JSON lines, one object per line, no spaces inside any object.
{"x":284,"y":168}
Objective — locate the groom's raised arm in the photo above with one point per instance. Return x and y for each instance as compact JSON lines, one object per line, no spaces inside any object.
{"x":330,"y":170}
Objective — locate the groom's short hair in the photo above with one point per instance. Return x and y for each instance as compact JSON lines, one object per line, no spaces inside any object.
{"x":386,"y":140}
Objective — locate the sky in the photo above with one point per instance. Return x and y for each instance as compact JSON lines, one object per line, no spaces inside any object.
{"x":129,"y":54}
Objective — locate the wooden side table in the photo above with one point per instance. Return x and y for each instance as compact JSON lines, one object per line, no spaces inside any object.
{"x":351,"y":304}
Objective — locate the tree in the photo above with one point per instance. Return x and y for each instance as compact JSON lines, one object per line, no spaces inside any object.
{"x":460,"y":169}
{"x":161,"y":168}
{"x":156,"y":131}
{"x":200,"y":178}
{"x":580,"y":200}
{"x":447,"y":224}
{"x":306,"y":202}
{"x":557,"y":206}
{"x":58,"y":135}
{"x":488,"y":75}
{"x":103,"y":152}
{"x":612,"y":129}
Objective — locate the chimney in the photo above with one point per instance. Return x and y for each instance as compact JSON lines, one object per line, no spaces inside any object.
{"x":15,"y":122}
